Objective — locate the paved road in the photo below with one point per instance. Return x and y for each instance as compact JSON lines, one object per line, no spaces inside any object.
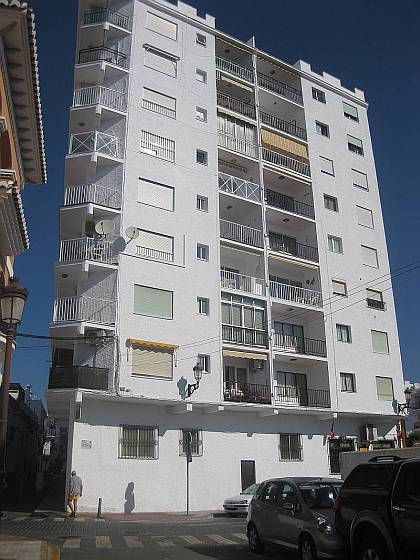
{"x":88,"y":539}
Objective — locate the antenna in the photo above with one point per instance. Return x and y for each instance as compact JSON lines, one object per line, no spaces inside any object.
{"x":132,"y":233}
{"x":104,"y":227}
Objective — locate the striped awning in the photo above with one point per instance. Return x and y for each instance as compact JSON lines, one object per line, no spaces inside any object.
{"x":276,"y":141}
{"x":244,"y":355}
{"x":151,"y":344}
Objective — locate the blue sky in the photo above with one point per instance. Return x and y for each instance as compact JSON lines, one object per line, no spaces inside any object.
{"x":370,"y":44}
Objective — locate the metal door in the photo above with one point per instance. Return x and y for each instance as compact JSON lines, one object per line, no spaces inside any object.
{"x":247,"y":473}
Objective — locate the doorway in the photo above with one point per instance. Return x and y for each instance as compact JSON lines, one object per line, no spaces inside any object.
{"x":247,"y":474}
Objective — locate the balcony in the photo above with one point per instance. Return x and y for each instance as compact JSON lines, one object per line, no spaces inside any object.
{"x":236,"y":105}
{"x":235,"y":69}
{"x":103,"y":54}
{"x":241,"y":234}
{"x":84,"y":309}
{"x":289,"y":246}
{"x":154,"y":254}
{"x":249,"y":284}
{"x":284,"y":202}
{"x":100,"y":95}
{"x":246,"y":392}
{"x":275,"y":158}
{"x":244,"y":336}
{"x":239,"y":187}
{"x":288,"y":92}
{"x":295,"y":294}
{"x":87,"y":248}
{"x":298,"y":345}
{"x":102,"y":15}
{"x":95,"y":141}
{"x":317,"y":398}
{"x":376,"y":304}
{"x":92,"y":193}
{"x":240,"y":145}
{"x":284,"y":126}
{"x":79,"y":377}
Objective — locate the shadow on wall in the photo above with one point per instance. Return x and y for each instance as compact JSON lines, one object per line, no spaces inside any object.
{"x":130,"y":502}
{"x":182,"y":387}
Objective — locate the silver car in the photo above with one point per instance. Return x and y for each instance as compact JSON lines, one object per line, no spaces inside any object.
{"x":240,"y":502}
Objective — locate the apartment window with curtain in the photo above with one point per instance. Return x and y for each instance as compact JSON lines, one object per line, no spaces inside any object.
{"x":204,"y":361}
{"x":153,"y":302}
{"x":380,"y":342}
{"x":202,"y":203}
{"x":350,"y":112}
{"x":335,"y":244}
{"x":201,"y":76}
{"x":348,"y":384}
{"x":138,"y":442}
{"x":318,"y":95}
{"x":290,"y":447}
{"x":196,"y":442}
{"x":339,"y":287}
{"x":331,"y":203}
{"x":322,"y":129}
{"x":384,"y":388}
{"x":243,"y":320}
{"x":202,"y":252}
{"x":201,"y":157}
{"x":201,"y":114}
{"x":237,"y":135}
{"x":151,"y":361}
{"x":203,"y":306}
{"x":355,"y":145}
{"x":343,"y":333}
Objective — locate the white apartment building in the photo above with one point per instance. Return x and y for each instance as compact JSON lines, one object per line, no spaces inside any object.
{"x":247,"y":236}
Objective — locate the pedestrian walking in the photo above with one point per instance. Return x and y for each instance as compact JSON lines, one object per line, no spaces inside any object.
{"x":75,"y":492}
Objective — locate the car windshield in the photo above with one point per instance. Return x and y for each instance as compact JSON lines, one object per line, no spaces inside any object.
{"x":251,"y":489}
{"x":319,"y":495}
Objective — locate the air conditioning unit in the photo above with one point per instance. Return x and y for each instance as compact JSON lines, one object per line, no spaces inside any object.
{"x":256,"y":365}
{"x":370,"y":432}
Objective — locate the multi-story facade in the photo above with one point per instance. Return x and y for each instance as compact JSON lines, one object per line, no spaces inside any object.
{"x":221,"y":206}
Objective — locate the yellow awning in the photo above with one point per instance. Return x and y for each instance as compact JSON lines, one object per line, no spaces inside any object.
{"x":244,"y":355}
{"x":223,"y":78}
{"x":150,"y":344}
{"x":276,"y":141}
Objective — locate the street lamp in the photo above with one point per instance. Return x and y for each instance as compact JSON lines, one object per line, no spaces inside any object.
{"x":198,"y":373}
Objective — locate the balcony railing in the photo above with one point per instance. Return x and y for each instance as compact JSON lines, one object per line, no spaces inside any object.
{"x":154,"y":254}
{"x":241,"y":234}
{"x":244,"y":336}
{"x":103,"y":54}
{"x":302,"y":397}
{"x":291,"y":93}
{"x":295,"y":294}
{"x":279,"y":200}
{"x":288,"y":246}
{"x":249,"y":284}
{"x":87,"y":248}
{"x":239,"y":187}
{"x":376,"y":304}
{"x":280,"y":124}
{"x":100,"y":95}
{"x":299,"y":345}
{"x":236,"y":144}
{"x":234,"y":68}
{"x":247,"y":392}
{"x":101,"y":15}
{"x":92,"y":193}
{"x":79,"y":377}
{"x":275,"y":158}
{"x":235,"y":105}
{"x":82,"y":308}
{"x":95,"y":141}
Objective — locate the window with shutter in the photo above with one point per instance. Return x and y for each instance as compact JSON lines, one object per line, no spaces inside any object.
{"x":157,"y":146}
{"x":153,"y":302}
{"x":162,"y":26}
{"x":155,"y":245}
{"x":327,"y":165}
{"x":355,"y":145}
{"x":161,"y":61}
{"x":370,"y":256}
{"x":156,"y":194}
{"x":380,"y":342}
{"x":152,"y":362}
{"x":360,"y":179}
{"x":350,"y":112}
{"x":385,"y":388}
{"x":364,"y":217}
{"x":159,"y":103}
{"x":339,"y":288}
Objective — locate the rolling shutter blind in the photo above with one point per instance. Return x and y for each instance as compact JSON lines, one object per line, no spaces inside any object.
{"x":152,"y":302}
{"x":385,"y":388}
{"x":370,"y":256}
{"x":326,"y":165}
{"x":339,"y":288}
{"x":157,"y":195}
{"x":152,"y":362}
{"x":160,"y":61}
{"x":373,"y":294}
{"x":364,"y":216}
{"x":354,"y":141}
{"x":350,"y":110}
{"x":156,"y":241}
{"x":159,"y":99}
{"x":380,"y":342}
{"x":162,"y":26}
{"x":360,"y":179}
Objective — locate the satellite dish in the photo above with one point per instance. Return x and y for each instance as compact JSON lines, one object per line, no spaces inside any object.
{"x":119,"y":245}
{"x":104,"y":227}
{"x":132,"y":233}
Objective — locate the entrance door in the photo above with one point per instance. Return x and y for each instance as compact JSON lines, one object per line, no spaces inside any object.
{"x":247,"y":473}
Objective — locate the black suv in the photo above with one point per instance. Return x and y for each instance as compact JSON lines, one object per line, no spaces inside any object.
{"x":378,"y":509}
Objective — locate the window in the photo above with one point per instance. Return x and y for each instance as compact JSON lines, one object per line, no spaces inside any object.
{"x":161,"y":26}
{"x":161,"y":61}
{"x":355,"y":145}
{"x":343,"y":333}
{"x":202,"y":252}
{"x":153,"y":302}
{"x":201,"y":40}
{"x":202,"y":203}
{"x":241,"y":311}
{"x":152,"y":361}
{"x":157,"y":146}
{"x":360,"y":180}
{"x":318,"y":95}
{"x":322,"y":129}
{"x":271,"y":492}
{"x":290,"y":447}
{"x":363,"y":476}
{"x":374,"y":299}
{"x":204,"y":361}
{"x":202,"y":306}
{"x":155,"y":245}
{"x":327,"y":165}
{"x":370,"y":256}
{"x":201,"y":157}
{"x":350,"y":112}
{"x":339,"y":288}
{"x":364,"y":217}
{"x":156,"y":194}
{"x":335,"y":244}
{"x":201,"y":114}
{"x":201,"y":76}
{"x":196,"y":442}
{"x":380,"y":342}
{"x":347,"y":383}
{"x":159,"y":103}
{"x":330,"y":202}
{"x":384,"y":389}
{"x":138,"y":442}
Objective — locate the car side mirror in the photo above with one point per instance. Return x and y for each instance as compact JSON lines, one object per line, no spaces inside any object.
{"x":289,"y":506}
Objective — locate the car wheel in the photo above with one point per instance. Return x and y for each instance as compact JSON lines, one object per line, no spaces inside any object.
{"x":372,"y":549}
{"x":255,"y":545}
{"x":307,"y":549}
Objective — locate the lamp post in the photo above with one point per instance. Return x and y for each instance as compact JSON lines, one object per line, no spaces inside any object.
{"x":400,"y":408}
{"x":198,"y":373}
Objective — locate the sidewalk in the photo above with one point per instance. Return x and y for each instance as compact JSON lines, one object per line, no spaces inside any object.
{"x":13,"y":548}
{"x":156,"y":517}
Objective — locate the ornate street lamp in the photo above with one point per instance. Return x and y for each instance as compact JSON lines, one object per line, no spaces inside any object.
{"x":198,"y":373}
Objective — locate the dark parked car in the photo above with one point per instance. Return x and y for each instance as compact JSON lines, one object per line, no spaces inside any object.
{"x":295,"y":513}
{"x":378,"y":510}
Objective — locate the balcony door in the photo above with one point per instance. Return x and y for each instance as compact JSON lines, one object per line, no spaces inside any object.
{"x":290,"y":337}
{"x":291,"y":388}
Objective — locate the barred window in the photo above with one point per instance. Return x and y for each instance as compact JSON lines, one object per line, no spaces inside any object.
{"x":139,"y":442}
{"x":196,"y":442}
{"x":291,"y":447}
{"x":157,"y":146}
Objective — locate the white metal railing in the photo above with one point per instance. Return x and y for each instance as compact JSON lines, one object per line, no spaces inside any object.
{"x":82,"y":308}
{"x":95,"y":141}
{"x":234,"y":68}
{"x":236,"y":144}
{"x":93,"y":95}
{"x":234,"y":281}
{"x":94,"y":193}
{"x":87,"y":248}
{"x":100,"y":15}
{"x":285,"y":161}
{"x":158,"y":108}
{"x":295,"y":294}
{"x":154,"y":254}
{"x":157,"y":146}
{"x":240,"y":233}
{"x":239,"y":187}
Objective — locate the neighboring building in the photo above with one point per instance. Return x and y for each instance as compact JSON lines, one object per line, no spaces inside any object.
{"x":260,"y":252}
{"x":22,"y":159}
{"x":412,"y":391}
